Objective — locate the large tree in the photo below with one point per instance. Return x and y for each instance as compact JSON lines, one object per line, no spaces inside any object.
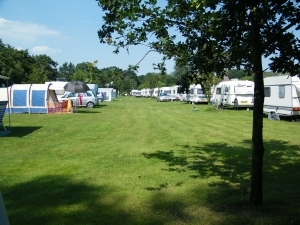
{"x":66,"y":70}
{"x":46,"y":68}
{"x":212,"y":36}
{"x":15,"y":64}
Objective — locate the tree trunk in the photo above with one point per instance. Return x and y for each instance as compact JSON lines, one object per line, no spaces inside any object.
{"x":256,"y":195}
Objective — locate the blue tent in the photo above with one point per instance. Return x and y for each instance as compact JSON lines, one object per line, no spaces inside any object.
{"x":31,"y":98}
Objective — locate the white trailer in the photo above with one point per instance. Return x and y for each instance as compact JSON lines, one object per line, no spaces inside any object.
{"x":166,"y":90}
{"x":187,"y":96}
{"x":174,"y":93}
{"x":155,"y":92}
{"x":146,"y":92}
{"x":234,"y":94}
{"x":282,"y":95}
{"x":133,"y":92}
{"x":196,"y":94}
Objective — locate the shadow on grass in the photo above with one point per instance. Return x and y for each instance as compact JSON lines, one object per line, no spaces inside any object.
{"x":17,"y":131}
{"x":86,"y":111}
{"x":230,"y":166}
{"x":60,"y":200}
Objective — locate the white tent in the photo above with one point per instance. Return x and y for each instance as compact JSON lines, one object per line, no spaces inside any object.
{"x":107,"y":93}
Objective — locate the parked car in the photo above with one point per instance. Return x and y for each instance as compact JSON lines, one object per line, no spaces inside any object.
{"x":163,"y":97}
{"x":89,"y":100}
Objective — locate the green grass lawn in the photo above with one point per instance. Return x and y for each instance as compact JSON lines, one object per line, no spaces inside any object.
{"x":138,"y":161}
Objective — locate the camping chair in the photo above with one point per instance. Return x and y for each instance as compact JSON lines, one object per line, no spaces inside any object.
{"x":2,"y":112}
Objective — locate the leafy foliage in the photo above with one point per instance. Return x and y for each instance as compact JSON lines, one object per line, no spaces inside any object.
{"x":15,"y":64}
{"x":66,"y":70}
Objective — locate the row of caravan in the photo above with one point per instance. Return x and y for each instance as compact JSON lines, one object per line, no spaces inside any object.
{"x":282,"y":94}
{"x":226,"y":93}
{"x":195,"y":94}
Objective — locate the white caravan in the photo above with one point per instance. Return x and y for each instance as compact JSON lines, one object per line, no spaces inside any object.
{"x":282,"y":95}
{"x":146,"y":92}
{"x":133,"y":92}
{"x":234,"y":93}
{"x":174,"y":94}
{"x":187,"y":96}
{"x":166,"y":90}
{"x":155,"y":92}
{"x":196,"y":94}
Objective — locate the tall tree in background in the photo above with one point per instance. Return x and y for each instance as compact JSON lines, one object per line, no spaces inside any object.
{"x":129,"y":81}
{"x":91,"y":74}
{"x":183,"y":78}
{"x":37,"y":76}
{"x":66,"y":70}
{"x":213,"y":35}
{"x":46,"y":67}
{"x":15,"y":64}
{"x":234,"y":73}
{"x":24,"y":68}
{"x":152,"y":81}
{"x":82,"y":72}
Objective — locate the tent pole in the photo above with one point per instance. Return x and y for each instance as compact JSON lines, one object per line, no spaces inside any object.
{"x":8,"y":102}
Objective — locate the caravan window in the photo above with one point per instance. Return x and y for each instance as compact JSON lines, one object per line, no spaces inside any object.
{"x":267,"y":91}
{"x":199,"y":91}
{"x":218,"y":91}
{"x":281,"y":91}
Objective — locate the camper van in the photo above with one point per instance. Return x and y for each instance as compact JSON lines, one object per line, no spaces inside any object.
{"x":234,"y":94}
{"x":282,"y":95}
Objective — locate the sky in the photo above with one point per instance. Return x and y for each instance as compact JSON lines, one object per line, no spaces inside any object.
{"x":66,"y":31}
